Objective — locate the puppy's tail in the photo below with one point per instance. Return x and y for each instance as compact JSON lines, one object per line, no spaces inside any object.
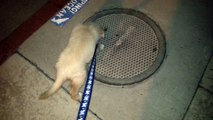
{"x":56,"y":86}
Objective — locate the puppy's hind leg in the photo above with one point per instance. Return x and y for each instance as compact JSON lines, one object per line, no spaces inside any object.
{"x":75,"y":85}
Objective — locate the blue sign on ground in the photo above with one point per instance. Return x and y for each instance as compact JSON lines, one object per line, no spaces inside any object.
{"x":68,"y":12}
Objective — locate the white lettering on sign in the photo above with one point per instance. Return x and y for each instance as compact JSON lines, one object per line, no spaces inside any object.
{"x":68,"y":11}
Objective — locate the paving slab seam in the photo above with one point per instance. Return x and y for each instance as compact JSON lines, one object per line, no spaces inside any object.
{"x":198,"y":86}
{"x":36,"y":66}
{"x":46,"y":75}
{"x":207,"y":90}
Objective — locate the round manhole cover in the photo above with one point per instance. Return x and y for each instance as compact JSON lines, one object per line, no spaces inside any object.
{"x":134,"y":46}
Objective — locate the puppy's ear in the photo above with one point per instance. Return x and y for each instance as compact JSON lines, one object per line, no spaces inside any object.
{"x":101,"y":32}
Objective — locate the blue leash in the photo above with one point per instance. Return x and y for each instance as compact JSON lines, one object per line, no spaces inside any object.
{"x":85,"y":102}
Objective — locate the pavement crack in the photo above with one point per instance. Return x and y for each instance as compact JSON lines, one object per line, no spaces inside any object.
{"x":39,"y":69}
{"x":206,"y":89}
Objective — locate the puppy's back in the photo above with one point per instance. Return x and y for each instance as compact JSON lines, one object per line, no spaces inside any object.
{"x":81,"y":45}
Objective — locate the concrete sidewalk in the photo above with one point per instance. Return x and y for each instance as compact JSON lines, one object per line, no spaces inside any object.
{"x":166,"y":95}
{"x":20,"y":85}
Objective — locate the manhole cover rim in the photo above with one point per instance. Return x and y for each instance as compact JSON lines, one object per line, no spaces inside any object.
{"x":161,"y":48}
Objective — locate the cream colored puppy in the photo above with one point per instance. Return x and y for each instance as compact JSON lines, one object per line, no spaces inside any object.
{"x":72,"y":62}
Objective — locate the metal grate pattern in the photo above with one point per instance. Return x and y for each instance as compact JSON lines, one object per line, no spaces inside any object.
{"x":136,"y":52}
{"x":131,"y":48}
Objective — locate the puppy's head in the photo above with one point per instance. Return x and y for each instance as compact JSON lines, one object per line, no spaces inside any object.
{"x":98,"y":29}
